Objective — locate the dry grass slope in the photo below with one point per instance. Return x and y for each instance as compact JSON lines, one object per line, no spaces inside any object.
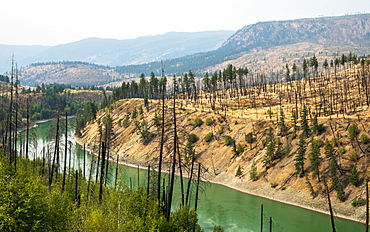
{"x":339,"y":98}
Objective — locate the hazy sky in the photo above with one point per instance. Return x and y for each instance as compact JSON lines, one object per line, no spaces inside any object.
{"x":48,"y":22}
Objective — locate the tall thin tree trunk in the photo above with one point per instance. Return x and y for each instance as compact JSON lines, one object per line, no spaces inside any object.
{"x":116,"y":177}
{"x":89,"y":182}
{"x":106,"y":165}
{"x":330,"y":207}
{"x":28,"y":126}
{"x":10,"y":118}
{"x":367,"y":205}
{"x":270,"y":224}
{"x":172,"y":182}
{"x":162,"y":142}
{"x":97,"y":165}
{"x":148,"y":185}
{"x":65,"y":153}
{"x":181,"y":179}
{"x":84,"y":160}
{"x":197,"y":191}
{"x":56,"y":150}
{"x":138,"y":176}
{"x":102,"y":171}
{"x":77,"y":193}
{"x":261,"y":217}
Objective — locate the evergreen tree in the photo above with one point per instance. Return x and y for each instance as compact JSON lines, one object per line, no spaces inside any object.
{"x":253,"y":171}
{"x":353,"y":132}
{"x":315,"y":159}
{"x":282,"y":122}
{"x":315,"y":124}
{"x":238,"y":171}
{"x":354,"y":178}
{"x":300,"y":157}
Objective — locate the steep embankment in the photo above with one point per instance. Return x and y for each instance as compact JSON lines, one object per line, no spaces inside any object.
{"x":237,"y":134}
{"x":219,"y":162}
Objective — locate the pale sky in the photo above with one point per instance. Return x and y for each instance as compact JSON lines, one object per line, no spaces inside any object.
{"x":52,"y":22}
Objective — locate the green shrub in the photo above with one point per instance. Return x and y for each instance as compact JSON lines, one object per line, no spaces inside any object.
{"x":334,"y":141}
{"x":229,"y":141}
{"x":320,"y":127}
{"x":293,"y":135}
{"x":318,"y":142}
{"x":358,"y":201}
{"x":192,"y":138}
{"x":220,"y":131}
{"x":198,"y":122}
{"x":364,"y":139}
{"x":239,"y":149}
{"x":209,"y":121}
{"x":249,"y":137}
{"x":273,"y":185}
{"x":218,"y":229}
{"x":342,"y":150}
{"x":353,"y":157}
{"x":354,"y":178}
{"x":253,"y":171}
{"x":208,"y":137}
{"x":238,"y":171}
{"x":353,"y":131}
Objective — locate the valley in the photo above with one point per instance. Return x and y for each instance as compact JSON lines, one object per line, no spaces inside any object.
{"x":277,"y":109}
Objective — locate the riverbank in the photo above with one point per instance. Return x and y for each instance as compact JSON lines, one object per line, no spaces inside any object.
{"x":262,"y":189}
{"x":35,"y":124}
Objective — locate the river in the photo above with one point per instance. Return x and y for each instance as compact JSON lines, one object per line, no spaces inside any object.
{"x":218,"y":205}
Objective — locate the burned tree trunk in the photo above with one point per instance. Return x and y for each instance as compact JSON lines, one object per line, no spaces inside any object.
{"x":65,"y":153}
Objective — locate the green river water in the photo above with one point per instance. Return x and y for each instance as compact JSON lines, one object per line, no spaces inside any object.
{"x":218,"y":205}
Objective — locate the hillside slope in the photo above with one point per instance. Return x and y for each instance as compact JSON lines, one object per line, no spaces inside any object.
{"x":237,"y":135}
{"x":74,"y":73}
{"x":260,"y":47}
{"x":336,"y":34}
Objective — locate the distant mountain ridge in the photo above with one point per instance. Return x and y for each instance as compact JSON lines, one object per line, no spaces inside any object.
{"x":115,"y":52}
{"x":262,"y":46}
{"x":339,"y":34}
{"x":347,"y":30}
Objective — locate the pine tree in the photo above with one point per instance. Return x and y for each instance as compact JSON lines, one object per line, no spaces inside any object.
{"x":315,"y":125}
{"x":238,"y":171}
{"x":354,"y":178}
{"x":353,"y":132}
{"x":315,"y":159}
{"x":253,"y":171}
{"x":300,"y":157}
{"x":282,"y":122}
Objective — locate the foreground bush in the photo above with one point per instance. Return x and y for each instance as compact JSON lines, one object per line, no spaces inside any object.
{"x":27,"y":203}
